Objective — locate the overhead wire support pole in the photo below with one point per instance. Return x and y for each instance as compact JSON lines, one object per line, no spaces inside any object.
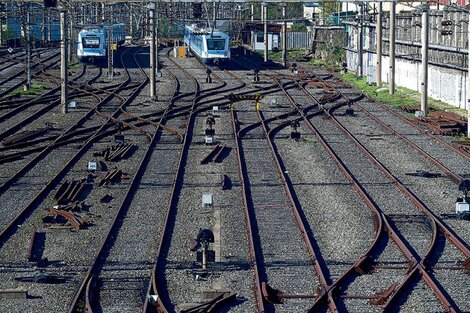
{"x":360,"y":42}
{"x":392,"y":30}
{"x":266,"y":37}
{"x":468,"y":81}
{"x":424,"y":60}
{"x":152,"y":52}
{"x":378,"y":72}
{"x":284,"y":36}
{"x":63,"y":61}
{"x":28,"y":50}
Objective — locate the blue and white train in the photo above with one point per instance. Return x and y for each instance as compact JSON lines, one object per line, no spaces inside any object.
{"x":209,"y":46}
{"x":92,"y":45}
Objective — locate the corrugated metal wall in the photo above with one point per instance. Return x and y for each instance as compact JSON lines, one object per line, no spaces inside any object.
{"x":299,"y":40}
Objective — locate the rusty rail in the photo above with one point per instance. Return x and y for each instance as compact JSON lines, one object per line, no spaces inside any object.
{"x":421,"y":264}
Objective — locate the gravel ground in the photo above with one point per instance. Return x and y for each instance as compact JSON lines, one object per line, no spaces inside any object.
{"x":285,"y":267}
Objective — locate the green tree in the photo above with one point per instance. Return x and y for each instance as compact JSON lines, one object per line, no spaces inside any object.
{"x":298,"y":27}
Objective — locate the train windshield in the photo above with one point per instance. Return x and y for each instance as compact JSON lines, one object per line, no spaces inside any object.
{"x":215,"y":44}
{"x":91,"y":42}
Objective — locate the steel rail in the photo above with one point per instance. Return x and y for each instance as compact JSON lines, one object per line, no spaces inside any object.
{"x":314,"y":255}
{"x":456,"y":240}
{"x":25,"y":212}
{"x":86,"y":288}
{"x":410,"y":254}
{"x":33,"y":116}
{"x":412,"y":123}
{"x":441,"y":294}
{"x":254,"y":257}
{"x":11,"y":88}
{"x":154,"y":287}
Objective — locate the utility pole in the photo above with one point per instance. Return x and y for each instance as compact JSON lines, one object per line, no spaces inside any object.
{"x":131,"y":27}
{"x":70,"y":42}
{"x":378,"y":72}
{"x":63,"y":61}
{"x":2,"y":11}
{"x":265,"y":17}
{"x":360,"y":44}
{"x":284,"y":36}
{"x":252,"y":12}
{"x":468,"y":82}
{"x":152,"y":52}
{"x":424,"y":60}
{"x":28,"y":50}
{"x":391,"y":86}
{"x":49,"y":25}
{"x":43,"y":27}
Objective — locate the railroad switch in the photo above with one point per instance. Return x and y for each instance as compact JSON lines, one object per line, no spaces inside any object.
{"x":118,"y":138}
{"x":210,"y":132}
{"x":462,"y":205}
{"x":256,"y":75}
{"x":425,"y":174}
{"x":349,"y":110}
{"x":208,"y":76}
{"x":294,"y":68}
{"x":201,"y":246}
{"x":295,"y":134}
{"x":276,"y":296}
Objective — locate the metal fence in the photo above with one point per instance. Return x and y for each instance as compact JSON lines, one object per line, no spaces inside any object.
{"x":299,"y":40}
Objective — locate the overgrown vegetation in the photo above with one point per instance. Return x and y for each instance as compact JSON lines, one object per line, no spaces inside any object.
{"x":35,"y":90}
{"x":402,"y":97}
{"x":331,"y":56}
{"x":293,"y":55}
{"x":298,"y":27}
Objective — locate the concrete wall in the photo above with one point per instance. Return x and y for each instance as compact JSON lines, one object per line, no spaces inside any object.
{"x":448,"y":85}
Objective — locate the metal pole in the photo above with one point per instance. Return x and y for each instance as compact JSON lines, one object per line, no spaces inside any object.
{"x":266,"y":44}
{"x":424,"y":60}
{"x":28,"y":50}
{"x":109,"y":26}
{"x":378,"y":72}
{"x":360,"y":44}
{"x":391,"y":86}
{"x":214,"y":12}
{"x":43,"y":27}
{"x":63,"y":62}
{"x":70,"y":42}
{"x":468,"y":81}
{"x":49,"y":27}
{"x":252,"y":12}
{"x":131,"y":27}
{"x":1,"y":27}
{"x":284,"y":37}
{"x":152,"y":54}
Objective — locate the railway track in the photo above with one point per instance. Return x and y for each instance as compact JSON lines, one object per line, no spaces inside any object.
{"x":73,"y":167}
{"x":432,"y":225}
{"x":16,"y":80}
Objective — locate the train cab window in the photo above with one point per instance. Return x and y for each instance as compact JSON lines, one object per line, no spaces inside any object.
{"x":215,"y":44}
{"x":91,"y":42}
{"x":260,"y":37}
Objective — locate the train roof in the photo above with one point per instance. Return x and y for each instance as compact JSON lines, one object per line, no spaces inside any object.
{"x":202,"y":29}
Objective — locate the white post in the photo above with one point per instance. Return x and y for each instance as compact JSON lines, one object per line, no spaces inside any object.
{"x":378,"y":72}
{"x":28,"y":50}
{"x":152,"y":54}
{"x":266,"y":37}
{"x":424,"y":60}
{"x":468,"y":82}
{"x":391,"y":86}
{"x":284,"y":37}
{"x":63,"y":62}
